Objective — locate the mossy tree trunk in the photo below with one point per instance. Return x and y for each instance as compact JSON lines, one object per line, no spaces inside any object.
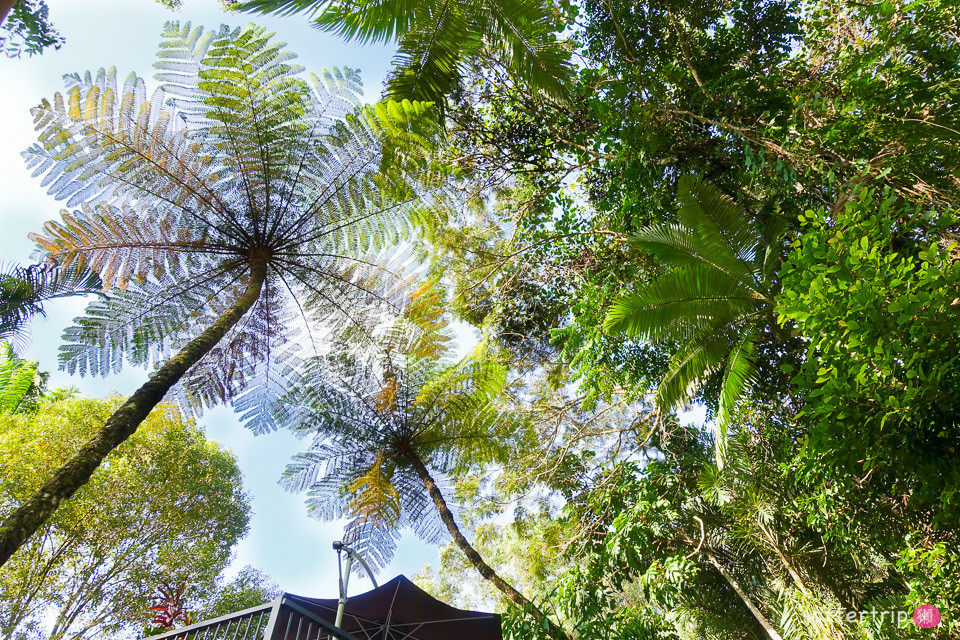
{"x":26,"y":519}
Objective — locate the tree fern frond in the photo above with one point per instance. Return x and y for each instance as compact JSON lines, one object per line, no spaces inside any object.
{"x":375,"y":543}
{"x":178,"y":65}
{"x":143,"y":322}
{"x":123,"y":244}
{"x":95,"y":145}
{"x":374,"y":499}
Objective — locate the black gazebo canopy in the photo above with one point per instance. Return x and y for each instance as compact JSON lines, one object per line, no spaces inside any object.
{"x":400,"y":610}
{"x":397,"y":610}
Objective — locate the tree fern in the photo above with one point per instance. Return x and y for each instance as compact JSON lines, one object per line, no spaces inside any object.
{"x":387,"y":426}
{"x":240,"y":213}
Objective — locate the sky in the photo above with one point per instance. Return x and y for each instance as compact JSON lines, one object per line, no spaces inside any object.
{"x":283,"y":541}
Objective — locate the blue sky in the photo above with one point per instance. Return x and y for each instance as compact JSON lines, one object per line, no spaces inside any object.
{"x":294,"y":549}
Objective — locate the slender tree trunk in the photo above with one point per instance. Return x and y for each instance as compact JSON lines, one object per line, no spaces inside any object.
{"x":5,"y":6}
{"x":17,"y":528}
{"x":743,"y":596}
{"x":786,"y":563}
{"x":473,"y":556}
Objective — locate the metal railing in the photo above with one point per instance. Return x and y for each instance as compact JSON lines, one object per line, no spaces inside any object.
{"x":249,"y":624}
{"x":277,"y":620}
{"x":296,"y":623}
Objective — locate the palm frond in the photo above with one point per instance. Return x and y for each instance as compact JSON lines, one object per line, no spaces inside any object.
{"x":524,"y":31}
{"x":697,"y":359}
{"x":715,"y":217}
{"x":18,"y":379}
{"x":709,"y":303}
{"x":671,"y":307}
{"x":739,"y":376}
{"x":428,"y":62}
{"x":437,"y":37}
{"x":23,"y":291}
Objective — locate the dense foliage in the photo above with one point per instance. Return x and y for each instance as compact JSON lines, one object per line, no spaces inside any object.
{"x":748,"y":205}
{"x":822,"y":347}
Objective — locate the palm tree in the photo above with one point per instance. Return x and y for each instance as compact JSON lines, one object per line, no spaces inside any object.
{"x":237,"y":190}
{"x":385,"y":426}
{"x":714,"y":302}
{"x":23,"y":291}
{"x":437,"y":39}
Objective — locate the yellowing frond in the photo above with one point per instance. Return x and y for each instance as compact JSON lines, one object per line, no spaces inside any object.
{"x":375,"y":499}
{"x":426,"y":312}
{"x":387,"y":397}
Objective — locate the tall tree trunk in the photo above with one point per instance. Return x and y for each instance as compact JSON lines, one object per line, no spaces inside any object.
{"x":17,"y":528}
{"x":762,"y":619}
{"x":475,"y":559}
{"x":5,"y":6}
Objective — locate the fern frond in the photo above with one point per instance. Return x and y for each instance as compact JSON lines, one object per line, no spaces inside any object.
{"x":374,"y":498}
{"x":123,"y":244}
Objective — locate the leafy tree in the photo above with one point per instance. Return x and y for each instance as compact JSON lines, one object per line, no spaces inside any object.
{"x":25,"y":27}
{"x":715,"y":302}
{"x":786,"y":111}
{"x":144,"y":518}
{"x":385,"y":427}
{"x":249,"y":588}
{"x":242,"y":190}
{"x":437,"y":41}
{"x":874,"y":285}
{"x":678,"y":543}
{"x":24,"y":290}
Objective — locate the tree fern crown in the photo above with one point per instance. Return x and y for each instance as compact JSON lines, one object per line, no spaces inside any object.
{"x":374,"y":416}
{"x":238,"y":159}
